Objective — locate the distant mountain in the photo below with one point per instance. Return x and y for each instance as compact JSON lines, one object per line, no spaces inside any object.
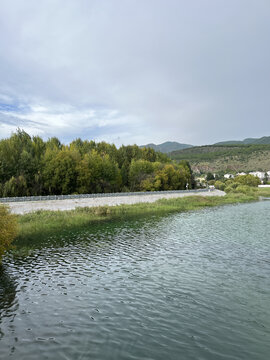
{"x":168,"y":146}
{"x":265,"y":140}
{"x":226,"y":158}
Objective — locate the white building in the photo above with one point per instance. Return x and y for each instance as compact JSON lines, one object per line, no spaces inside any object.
{"x":229,"y":176}
{"x":259,"y":174}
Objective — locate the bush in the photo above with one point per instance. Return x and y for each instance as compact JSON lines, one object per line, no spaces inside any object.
{"x":219,"y":185}
{"x":229,"y":182}
{"x":245,"y":189}
{"x":249,"y":180}
{"x":9,"y":229}
{"x":234,"y":185}
{"x":228,"y":189}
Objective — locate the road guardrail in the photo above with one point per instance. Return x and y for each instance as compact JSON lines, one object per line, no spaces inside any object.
{"x":85,"y":196}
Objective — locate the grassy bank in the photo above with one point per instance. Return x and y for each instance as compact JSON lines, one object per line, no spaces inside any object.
{"x":44,"y":223}
{"x":264,"y":192}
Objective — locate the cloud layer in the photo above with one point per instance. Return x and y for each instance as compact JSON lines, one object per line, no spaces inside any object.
{"x":135,"y":71}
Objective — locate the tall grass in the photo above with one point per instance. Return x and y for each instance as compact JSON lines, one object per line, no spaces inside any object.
{"x":8,"y":230}
{"x":264,"y":192}
{"x":43,"y":223}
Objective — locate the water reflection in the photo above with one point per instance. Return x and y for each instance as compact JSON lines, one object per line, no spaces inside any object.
{"x":94,"y":232}
{"x":192,"y":285}
{"x":8,"y":300}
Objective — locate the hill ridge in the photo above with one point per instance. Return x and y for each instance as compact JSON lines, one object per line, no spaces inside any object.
{"x":264,"y":140}
{"x":167,"y":146}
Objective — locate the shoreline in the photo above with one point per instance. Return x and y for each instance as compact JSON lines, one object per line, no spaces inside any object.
{"x":37,"y":226}
{"x":21,"y":208}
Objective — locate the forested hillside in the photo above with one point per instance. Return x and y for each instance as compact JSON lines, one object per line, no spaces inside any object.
{"x":31,"y":166}
{"x":265,"y":140}
{"x":167,"y":146}
{"x":225,"y":158}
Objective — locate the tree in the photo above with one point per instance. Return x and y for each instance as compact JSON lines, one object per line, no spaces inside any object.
{"x":97,"y":174}
{"x":249,"y":180}
{"x":15,"y":187}
{"x":210,"y":176}
{"x":172,"y":177}
{"x":60,"y":172}
{"x":139,"y":171}
{"x":31,"y":166}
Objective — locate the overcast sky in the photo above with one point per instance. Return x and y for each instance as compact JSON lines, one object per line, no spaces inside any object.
{"x":135,"y":71}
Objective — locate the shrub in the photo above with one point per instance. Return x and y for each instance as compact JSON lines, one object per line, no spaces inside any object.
{"x":228,"y":189}
{"x":9,"y":229}
{"x":219,"y":185}
{"x":249,"y":180}
{"x":245,"y":189}
{"x":229,"y":182}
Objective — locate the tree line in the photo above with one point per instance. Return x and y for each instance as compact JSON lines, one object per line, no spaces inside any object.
{"x":31,"y":166}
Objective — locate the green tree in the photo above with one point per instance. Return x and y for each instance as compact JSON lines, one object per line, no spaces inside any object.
{"x":210,"y":176}
{"x":139,"y":171}
{"x":249,"y":180}
{"x":16,"y":187}
{"x":60,"y":173}
{"x":97,"y":174}
{"x":172,"y":178}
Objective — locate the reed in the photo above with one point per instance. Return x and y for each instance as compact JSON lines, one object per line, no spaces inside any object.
{"x":41,"y":224}
{"x":264,"y":192}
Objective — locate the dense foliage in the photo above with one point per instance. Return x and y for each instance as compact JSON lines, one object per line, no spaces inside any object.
{"x":31,"y":166}
{"x":8,"y":226}
{"x":246,"y":184}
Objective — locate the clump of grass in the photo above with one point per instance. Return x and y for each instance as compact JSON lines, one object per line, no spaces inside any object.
{"x":264,"y":192}
{"x":8,"y":230}
{"x":41,"y":224}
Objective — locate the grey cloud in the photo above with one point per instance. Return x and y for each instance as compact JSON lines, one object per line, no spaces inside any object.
{"x":196,"y":71}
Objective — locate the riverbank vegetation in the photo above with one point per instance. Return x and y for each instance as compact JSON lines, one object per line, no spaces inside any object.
{"x":8,"y":230}
{"x":40,"y":225}
{"x":246,"y":184}
{"x":44,"y":223}
{"x":30,"y":166}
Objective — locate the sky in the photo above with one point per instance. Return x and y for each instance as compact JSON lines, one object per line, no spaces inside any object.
{"x":135,"y":71}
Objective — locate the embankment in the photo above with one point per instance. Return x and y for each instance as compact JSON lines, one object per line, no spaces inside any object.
{"x":40,"y":224}
{"x":71,"y":204}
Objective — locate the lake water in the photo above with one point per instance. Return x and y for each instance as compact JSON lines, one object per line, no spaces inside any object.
{"x":186,"y":286}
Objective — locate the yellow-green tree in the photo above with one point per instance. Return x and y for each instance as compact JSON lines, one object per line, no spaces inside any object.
{"x":139,"y":171}
{"x":60,"y":171}
{"x":249,"y":180}
{"x":97,"y":174}
{"x":9,"y":229}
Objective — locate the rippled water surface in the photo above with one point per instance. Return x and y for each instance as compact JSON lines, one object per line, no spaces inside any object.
{"x":185,"y":286}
